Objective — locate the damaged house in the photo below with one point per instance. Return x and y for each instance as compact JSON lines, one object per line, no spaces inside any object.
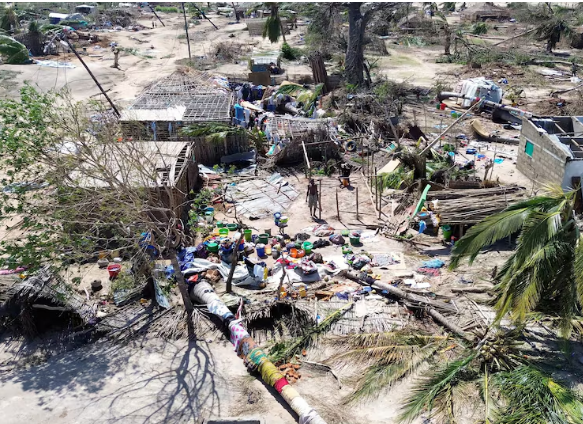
{"x":166,"y":168}
{"x":180,"y":100}
{"x":550,"y":150}
{"x":295,"y":139}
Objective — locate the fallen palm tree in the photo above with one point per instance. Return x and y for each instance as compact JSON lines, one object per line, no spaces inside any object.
{"x":253,"y":356}
{"x":480,"y":131}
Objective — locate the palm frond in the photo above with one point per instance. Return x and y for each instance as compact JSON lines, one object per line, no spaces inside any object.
{"x":532,"y":397}
{"x":432,"y":394}
{"x":487,"y":232}
{"x":285,"y":351}
{"x":579,"y":269}
{"x":525,"y":279}
{"x":381,"y":377}
{"x":14,"y":52}
{"x":382,"y":339}
{"x":510,"y":221}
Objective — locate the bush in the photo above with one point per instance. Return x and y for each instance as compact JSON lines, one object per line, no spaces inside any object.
{"x":480,"y":28}
{"x":166,"y":9}
{"x":291,"y":53}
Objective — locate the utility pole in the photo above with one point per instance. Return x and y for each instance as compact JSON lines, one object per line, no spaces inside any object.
{"x":186,"y":29}
{"x":203,"y":15}
{"x":156,"y":15}
{"x":92,"y":76}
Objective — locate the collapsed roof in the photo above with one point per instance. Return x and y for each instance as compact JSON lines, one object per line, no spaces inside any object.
{"x":184,"y":98}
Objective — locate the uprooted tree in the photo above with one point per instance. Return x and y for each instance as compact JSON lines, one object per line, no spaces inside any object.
{"x":73,"y":188}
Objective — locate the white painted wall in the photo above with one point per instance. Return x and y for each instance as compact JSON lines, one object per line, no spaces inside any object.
{"x":572,"y":169}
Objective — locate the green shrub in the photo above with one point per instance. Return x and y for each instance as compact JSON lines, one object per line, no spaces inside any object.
{"x":480,"y":28}
{"x":166,"y":9}
{"x":291,"y":53}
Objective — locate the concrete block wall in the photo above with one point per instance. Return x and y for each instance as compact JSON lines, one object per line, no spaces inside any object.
{"x":548,"y":161}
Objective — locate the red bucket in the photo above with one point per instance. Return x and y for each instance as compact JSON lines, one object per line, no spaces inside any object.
{"x":113,"y":270}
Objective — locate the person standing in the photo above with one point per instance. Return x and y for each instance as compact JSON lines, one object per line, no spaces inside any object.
{"x":312,"y":197}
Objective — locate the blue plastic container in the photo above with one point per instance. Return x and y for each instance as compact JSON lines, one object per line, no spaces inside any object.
{"x":260,"y":248}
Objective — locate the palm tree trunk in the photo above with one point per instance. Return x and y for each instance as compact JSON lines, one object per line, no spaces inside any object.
{"x":354,"y":64}
{"x":254,"y":357}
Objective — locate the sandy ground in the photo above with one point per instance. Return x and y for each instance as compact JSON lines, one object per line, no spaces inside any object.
{"x":150,"y":381}
{"x":136,"y":72}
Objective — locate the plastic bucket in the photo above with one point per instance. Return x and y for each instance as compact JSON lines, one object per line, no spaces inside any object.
{"x":209,"y":215}
{"x":446,"y":229}
{"x":307,"y":246}
{"x":224,"y":232}
{"x":263,"y":238}
{"x":248,"y":234}
{"x":113,"y":270}
{"x":354,"y":240}
{"x":220,"y":224}
{"x":293,"y":252}
{"x":442,"y":106}
{"x":212,"y":247}
{"x":284,"y":219}
{"x":232,"y":227}
{"x":260,"y":248}
{"x":301,"y":253}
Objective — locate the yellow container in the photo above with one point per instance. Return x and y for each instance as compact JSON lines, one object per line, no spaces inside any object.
{"x":302,"y":291}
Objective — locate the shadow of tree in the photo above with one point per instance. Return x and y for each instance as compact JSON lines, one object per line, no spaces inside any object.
{"x":137,"y":382}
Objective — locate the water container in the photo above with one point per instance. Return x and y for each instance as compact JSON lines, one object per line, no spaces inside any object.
{"x":260,"y":248}
{"x":248,"y":233}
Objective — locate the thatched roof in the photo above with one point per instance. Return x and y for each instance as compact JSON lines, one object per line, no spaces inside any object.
{"x":182,"y":97}
{"x":482,"y":11}
{"x":48,"y":286}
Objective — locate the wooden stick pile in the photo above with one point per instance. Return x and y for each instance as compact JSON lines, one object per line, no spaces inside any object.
{"x":462,"y":207}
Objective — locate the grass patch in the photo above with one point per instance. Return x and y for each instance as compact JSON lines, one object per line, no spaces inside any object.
{"x":166,"y":9}
{"x":6,"y":78}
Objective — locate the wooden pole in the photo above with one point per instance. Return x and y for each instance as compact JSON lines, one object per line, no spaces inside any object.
{"x":203,"y":15}
{"x":234,"y":263}
{"x":356,"y":188}
{"x":376,"y":188}
{"x":156,"y":15}
{"x":337,"y":207}
{"x":186,"y":29}
{"x":320,"y":198}
{"x":92,"y":76}
{"x":307,"y":160}
{"x":431,"y":144}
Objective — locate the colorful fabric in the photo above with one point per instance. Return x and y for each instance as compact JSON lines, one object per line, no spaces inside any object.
{"x":269,"y":373}
{"x":257,"y":356}
{"x":218,"y":308}
{"x":279,"y":384}
{"x":238,"y":333}
{"x":289,"y":393}
{"x":431,"y":272}
{"x":246,"y":345}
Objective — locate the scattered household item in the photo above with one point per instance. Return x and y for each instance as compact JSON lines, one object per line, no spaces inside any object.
{"x":96,"y":285}
{"x":114,"y":270}
{"x":260,"y":248}
{"x":248,"y":233}
{"x":355,"y":239}
{"x":307,"y":246}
